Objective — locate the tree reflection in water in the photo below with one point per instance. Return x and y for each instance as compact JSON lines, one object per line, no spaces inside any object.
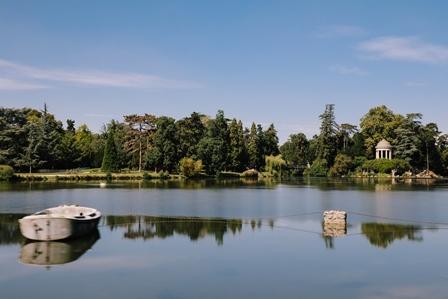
{"x":149,"y":227}
{"x":9,"y":229}
{"x":384,"y":234}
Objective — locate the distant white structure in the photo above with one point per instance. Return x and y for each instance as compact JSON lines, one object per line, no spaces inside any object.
{"x":384,"y":150}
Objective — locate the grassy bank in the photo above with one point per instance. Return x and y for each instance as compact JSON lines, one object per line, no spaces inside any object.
{"x":97,"y":175}
{"x":93,"y":176}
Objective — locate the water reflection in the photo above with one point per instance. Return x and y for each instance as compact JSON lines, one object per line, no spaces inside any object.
{"x":384,"y":234}
{"x":57,"y":252}
{"x":148,"y":227}
{"x":362,"y":184}
{"x":9,"y":229}
{"x":132,"y":227}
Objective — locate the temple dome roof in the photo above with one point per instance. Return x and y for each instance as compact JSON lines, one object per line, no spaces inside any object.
{"x":384,"y":145}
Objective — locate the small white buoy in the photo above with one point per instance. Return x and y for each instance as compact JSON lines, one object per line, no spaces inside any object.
{"x":103,"y":185}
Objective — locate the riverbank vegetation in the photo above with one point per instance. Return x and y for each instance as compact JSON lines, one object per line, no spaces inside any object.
{"x":146,"y":146}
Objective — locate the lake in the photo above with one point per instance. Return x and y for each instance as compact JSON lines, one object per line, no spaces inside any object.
{"x":232,"y":239}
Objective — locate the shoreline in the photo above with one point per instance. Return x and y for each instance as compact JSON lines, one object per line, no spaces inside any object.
{"x":146,"y":176}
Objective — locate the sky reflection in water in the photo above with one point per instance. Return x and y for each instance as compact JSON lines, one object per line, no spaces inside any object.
{"x":216,"y":256}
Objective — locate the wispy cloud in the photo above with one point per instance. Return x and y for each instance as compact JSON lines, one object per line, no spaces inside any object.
{"x":94,"y":77}
{"x":405,"y":49}
{"x":13,"y":85}
{"x":334,"y":31}
{"x":348,"y":70}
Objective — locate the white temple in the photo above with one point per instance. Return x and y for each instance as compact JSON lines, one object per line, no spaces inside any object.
{"x":384,"y":150}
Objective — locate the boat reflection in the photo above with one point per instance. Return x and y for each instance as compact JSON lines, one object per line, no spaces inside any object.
{"x":57,"y":252}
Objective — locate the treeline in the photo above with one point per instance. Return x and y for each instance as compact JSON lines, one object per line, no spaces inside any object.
{"x":341,"y":149}
{"x":31,"y":140}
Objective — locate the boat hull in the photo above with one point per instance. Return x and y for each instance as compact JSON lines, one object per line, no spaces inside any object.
{"x":52,"y":228}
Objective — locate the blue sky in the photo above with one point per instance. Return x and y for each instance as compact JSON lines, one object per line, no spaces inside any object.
{"x":262,"y":61}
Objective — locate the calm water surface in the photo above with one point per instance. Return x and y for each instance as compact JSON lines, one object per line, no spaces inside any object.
{"x":232,"y":239}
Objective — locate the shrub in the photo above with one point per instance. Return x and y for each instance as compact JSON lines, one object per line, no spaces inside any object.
{"x":250,"y":173}
{"x":359,"y":161}
{"x":386,"y":166}
{"x":342,"y":165}
{"x":6,"y":173}
{"x":189,"y":167}
{"x":319,"y":168}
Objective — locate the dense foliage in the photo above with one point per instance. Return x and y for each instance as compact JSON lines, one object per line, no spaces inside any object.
{"x":6,"y":173}
{"x":190,"y":167}
{"x":386,"y":166}
{"x":33,"y":140}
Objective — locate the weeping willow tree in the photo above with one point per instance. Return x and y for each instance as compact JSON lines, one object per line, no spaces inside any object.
{"x":274,"y":164}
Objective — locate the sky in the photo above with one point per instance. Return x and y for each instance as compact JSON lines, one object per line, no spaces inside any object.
{"x":264,"y":61}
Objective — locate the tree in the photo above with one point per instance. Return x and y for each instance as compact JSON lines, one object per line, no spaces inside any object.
{"x":407,"y":142}
{"x":271,"y":141}
{"x":189,"y":131}
{"x":90,"y":146}
{"x":138,"y":134}
{"x":326,"y":143}
{"x":71,"y":154}
{"x":110,"y":159}
{"x":14,"y":135}
{"x":296,"y":152}
{"x":237,"y":149}
{"x":43,"y":141}
{"x":379,"y":123}
{"x":342,"y":165}
{"x":163,"y":153}
{"x":275,"y":164}
{"x":190,"y":167}
{"x":253,"y":149}
{"x":345,"y":134}
{"x":30,"y":158}
{"x":429,"y":135}
{"x":319,"y":168}
{"x":212,"y":153}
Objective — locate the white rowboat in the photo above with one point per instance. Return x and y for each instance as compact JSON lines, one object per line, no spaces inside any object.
{"x":59,"y":223}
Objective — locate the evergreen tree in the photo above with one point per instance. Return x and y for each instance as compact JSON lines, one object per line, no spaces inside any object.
{"x":326,"y":143}
{"x":211,"y":152}
{"x":189,"y":131}
{"x":71,"y":155}
{"x":163,"y":154}
{"x":253,"y":147}
{"x":216,"y":144}
{"x":271,"y":141}
{"x":407,"y":142}
{"x":110,"y":158}
{"x":237,"y":151}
